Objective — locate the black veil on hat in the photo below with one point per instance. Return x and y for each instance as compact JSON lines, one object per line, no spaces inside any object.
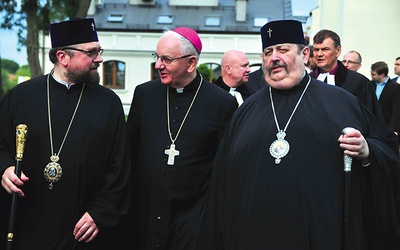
{"x":72,"y":32}
{"x":282,"y":31}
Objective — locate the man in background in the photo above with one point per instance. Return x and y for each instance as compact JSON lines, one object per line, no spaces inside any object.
{"x":327,"y":49}
{"x":397,"y":70}
{"x":234,"y":72}
{"x":311,"y":65}
{"x":388,"y":94}
{"x":352,"y":60}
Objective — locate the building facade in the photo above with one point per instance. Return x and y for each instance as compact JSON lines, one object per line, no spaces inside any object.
{"x":128,"y":31}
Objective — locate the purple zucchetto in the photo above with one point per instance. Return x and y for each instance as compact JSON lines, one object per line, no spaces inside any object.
{"x":72,"y":32}
{"x":283,"y":31}
{"x":191,"y":35}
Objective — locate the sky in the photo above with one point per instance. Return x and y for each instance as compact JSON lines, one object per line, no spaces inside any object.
{"x":9,"y":39}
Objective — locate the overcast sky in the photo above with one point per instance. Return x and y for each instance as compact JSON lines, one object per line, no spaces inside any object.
{"x":9,"y":39}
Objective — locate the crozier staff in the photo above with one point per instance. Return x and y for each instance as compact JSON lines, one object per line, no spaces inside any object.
{"x":20,"y":138}
{"x":74,"y":186}
{"x":278,"y":180}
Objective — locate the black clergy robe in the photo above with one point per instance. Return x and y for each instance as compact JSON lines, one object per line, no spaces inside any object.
{"x":167,"y":198}
{"x":94,"y":160}
{"x":253,"y":203}
{"x":242,"y":88}
{"x":358,"y":85}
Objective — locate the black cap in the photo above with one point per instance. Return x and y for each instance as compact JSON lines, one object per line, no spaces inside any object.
{"x":73,"y":32}
{"x":283,"y":31}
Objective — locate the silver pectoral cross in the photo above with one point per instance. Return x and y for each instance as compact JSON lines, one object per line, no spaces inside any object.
{"x":171,"y":152}
{"x":93,"y":26}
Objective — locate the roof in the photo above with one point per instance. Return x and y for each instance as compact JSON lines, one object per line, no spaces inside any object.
{"x":119,"y":15}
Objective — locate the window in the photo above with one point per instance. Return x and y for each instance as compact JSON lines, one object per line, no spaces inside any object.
{"x":154,"y":72}
{"x":115,"y":18}
{"x":260,"y":21}
{"x":213,"y":21}
{"x":114,"y":74}
{"x":165,"y":19}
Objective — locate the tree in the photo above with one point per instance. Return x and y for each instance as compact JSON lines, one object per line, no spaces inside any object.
{"x":207,"y":73}
{"x":9,"y":65}
{"x":33,"y":18}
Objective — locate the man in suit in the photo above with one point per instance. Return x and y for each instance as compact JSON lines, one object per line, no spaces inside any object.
{"x":397,"y":70}
{"x":388,"y":93}
{"x":327,"y":50}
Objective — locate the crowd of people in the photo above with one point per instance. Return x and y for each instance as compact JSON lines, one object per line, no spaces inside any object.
{"x":300,"y":154}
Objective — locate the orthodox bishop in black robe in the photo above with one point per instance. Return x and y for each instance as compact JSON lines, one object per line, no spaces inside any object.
{"x":94,"y":161}
{"x":254,"y":203}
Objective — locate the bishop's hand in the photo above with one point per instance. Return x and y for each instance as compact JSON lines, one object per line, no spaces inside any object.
{"x":11,"y":182}
{"x":354,"y":145}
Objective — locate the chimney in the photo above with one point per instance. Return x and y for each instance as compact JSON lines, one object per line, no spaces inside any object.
{"x":241,"y":10}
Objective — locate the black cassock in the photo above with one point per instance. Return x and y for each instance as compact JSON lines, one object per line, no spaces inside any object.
{"x":94,"y":159}
{"x":254,"y":203}
{"x":167,"y":198}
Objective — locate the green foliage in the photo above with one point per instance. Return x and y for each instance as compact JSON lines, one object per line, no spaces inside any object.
{"x":7,"y":83}
{"x":24,"y":70}
{"x":9,"y":65}
{"x":207,"y":73}
{"x":10,"y":71}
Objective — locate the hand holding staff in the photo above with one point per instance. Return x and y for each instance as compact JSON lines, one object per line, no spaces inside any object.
{"x":21,"y":132}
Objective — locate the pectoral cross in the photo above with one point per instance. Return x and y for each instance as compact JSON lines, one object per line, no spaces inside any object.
{"x":171,"y":152}
{"x":93,"y":26}
{"x":269,"y":32}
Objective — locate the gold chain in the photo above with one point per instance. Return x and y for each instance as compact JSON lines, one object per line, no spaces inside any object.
{"x":49,"y":113}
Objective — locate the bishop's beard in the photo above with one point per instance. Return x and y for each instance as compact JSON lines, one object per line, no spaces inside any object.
{"x":91,"y":77}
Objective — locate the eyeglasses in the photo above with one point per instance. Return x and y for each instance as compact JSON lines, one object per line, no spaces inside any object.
{"x":350,"y":62}
{"x":91,"y":53}
{"x":166,"y":59}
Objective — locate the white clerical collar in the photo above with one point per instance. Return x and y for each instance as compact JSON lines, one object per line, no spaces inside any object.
{"x":330,"y":79}
{"x":63,"y":82}
{"x":237,"y":95}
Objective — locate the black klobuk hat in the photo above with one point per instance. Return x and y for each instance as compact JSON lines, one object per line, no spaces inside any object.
{"x":72,"y":32}
{"x":282,"y":31}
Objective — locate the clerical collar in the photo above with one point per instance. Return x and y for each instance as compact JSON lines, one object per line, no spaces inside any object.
{"x":61,"y":81}
{"x":192,"y":86}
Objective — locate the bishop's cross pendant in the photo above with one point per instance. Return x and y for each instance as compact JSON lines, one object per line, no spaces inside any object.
{"x":171,"y":152}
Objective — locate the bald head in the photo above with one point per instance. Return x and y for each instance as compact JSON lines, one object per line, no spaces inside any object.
{"x":352,"y":60}
{"x":234,"y":68}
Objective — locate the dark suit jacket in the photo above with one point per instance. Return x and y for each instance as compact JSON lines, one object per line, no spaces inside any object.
{"x":390,"y":104}
{"x":256,"y":81}
{"x":395,"y":79}
{"x":358,"y":85}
